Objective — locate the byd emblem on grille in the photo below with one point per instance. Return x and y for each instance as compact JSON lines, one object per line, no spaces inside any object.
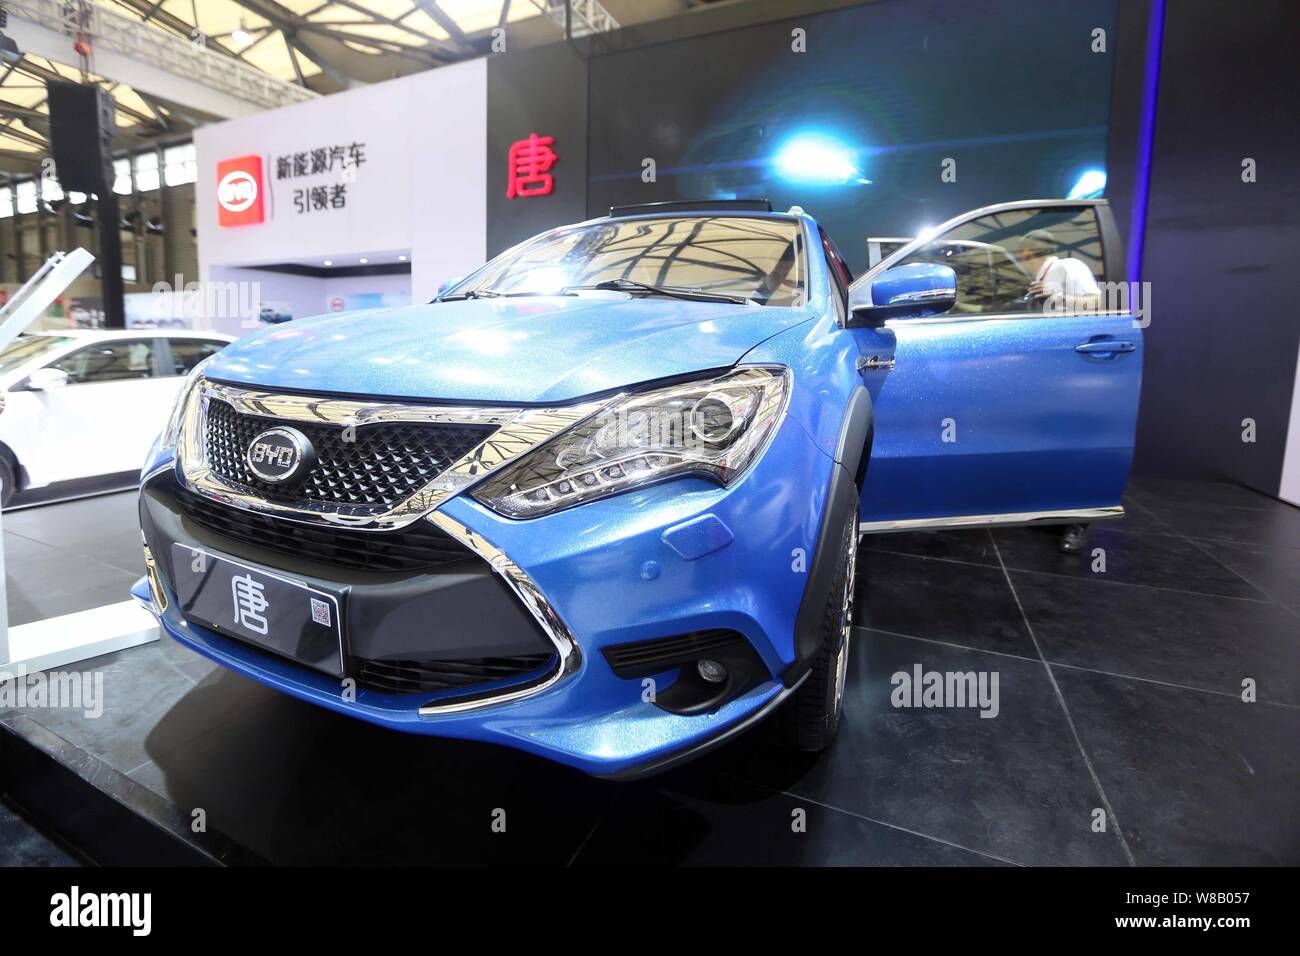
{"x":279,"y":454}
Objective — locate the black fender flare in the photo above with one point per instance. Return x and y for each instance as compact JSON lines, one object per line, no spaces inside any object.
{"x":852,"y":453}
{"x":853,"y":449}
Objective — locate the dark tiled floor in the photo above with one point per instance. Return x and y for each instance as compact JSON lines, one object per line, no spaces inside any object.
{"x":21,"y":844}
{"x":1119,"y":698}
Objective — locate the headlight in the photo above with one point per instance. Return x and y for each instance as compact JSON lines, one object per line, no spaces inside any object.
{"x":715,"y":428}
{"x":172,"y":432}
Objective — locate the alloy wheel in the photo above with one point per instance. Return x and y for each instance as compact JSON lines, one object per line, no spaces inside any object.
{"x":846,"y":619}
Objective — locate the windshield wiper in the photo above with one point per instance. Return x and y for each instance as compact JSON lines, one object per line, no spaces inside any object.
{"x":631,"y":285}
{"x":471,"y":294}
{"x":490,"y":294}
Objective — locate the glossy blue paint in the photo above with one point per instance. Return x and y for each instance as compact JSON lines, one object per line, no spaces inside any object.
{"x":588,"y":561}
{"x":536,"y":349}
{"x":1039,"y":425}
{"x":929,"y":287}
{"x":699,"y":536}
{"x":1000,"y":416}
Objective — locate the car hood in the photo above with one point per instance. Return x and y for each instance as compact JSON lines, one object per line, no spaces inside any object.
{"x":526,"y":350}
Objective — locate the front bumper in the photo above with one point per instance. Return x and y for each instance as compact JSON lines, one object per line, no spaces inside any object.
{"x":681,"y":557}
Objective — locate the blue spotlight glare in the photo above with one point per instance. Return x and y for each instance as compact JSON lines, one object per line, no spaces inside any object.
{"x":817,"y":159}
{"x":1090,"y":185}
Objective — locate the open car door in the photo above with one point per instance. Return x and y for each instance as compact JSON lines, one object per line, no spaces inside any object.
{"x":1015,"y":399}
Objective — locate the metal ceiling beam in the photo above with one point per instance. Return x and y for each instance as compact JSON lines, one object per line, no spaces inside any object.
{"x":440,"y":17}
{"x":583,"y":17}
{"x":293,"y":59}
{"x":151,"y":11}
{"x":19,"y":134}
{"x":295,"y":43}
{"x":38,"y":72}
{"x":327,"y":47}
{"x":148,"y":58}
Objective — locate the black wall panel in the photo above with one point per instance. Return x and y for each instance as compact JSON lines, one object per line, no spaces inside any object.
{"x":1223,"y":256}
{"x":542,"y":90}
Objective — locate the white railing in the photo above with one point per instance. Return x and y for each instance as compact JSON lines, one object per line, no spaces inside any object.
{"x":158,"y":48}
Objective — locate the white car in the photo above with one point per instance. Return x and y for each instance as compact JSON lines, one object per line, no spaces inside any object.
{"x":81,"y":403}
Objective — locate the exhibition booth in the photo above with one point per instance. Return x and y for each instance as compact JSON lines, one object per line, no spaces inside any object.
{"x":370,"y":198}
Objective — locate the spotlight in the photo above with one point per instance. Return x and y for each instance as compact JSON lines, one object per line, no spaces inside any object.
{"x":817,"y":159}
{"x":329,"y":262}
{"x":1090,"y":185}
{"x":364,"y":261}
{"x":241,"y":37}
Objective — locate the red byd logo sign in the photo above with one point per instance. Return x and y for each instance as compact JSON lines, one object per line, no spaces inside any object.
{"x":240,"y":192}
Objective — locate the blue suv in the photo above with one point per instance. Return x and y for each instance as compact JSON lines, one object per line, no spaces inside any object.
{"x":600,"y":500}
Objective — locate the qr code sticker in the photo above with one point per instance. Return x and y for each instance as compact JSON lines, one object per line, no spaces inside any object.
{"x":320,"y":612}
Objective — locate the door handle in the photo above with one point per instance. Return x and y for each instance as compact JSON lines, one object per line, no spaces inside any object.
{"x":1104,"y":347}
{"x":875,"y":363}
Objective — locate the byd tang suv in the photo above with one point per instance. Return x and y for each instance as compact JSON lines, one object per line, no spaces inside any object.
{"x":600,"y":500}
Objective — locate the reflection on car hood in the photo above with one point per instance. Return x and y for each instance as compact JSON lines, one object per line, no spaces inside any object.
{"x":535,"y":349}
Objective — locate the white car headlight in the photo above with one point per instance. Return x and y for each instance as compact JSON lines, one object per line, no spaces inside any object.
{"x":715,"y":428}
{"x":172,"y":431}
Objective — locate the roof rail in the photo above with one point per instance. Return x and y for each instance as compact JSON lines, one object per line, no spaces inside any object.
{"x":692,"y":205}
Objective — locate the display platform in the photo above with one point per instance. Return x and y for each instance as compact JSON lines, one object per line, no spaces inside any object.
{"x":1118,"y":690}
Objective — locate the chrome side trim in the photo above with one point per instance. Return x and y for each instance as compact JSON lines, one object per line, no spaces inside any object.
{"x":566,"y":646}
{"x":982,"y":521}
{"x":157,"y":470}
{"x":157,"y":602}
{"x":518,"y":430}
{"x":998,"y":317}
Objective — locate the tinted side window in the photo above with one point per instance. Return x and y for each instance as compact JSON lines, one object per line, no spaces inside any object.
{"x":187,"y":353}
{"x":109,"y":362}
{"x":1022,"y":260}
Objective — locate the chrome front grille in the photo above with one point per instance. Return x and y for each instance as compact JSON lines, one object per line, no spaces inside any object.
{"x":380,"y":464}
{"x":367,"y":468}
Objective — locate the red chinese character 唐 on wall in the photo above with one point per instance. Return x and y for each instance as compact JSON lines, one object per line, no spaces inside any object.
{"x":531,"y":160}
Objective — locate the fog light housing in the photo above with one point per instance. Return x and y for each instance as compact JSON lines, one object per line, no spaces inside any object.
{"x":711,"y":670}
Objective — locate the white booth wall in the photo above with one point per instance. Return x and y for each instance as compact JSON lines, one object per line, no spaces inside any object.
{"x":420,"y":191}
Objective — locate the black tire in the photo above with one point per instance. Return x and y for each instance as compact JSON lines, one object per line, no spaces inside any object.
{"x":7,"y":481}
{"x":818,"y":703}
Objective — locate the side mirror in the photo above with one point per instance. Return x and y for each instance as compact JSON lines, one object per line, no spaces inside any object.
{"x":44,"y":379}
{"x":904,"y":292}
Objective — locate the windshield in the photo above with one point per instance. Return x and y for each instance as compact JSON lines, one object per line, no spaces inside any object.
{"x":746,"y":258}
{"x":27,"y":347}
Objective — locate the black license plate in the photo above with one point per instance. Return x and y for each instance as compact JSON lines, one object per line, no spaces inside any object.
{"x":261,"y":607}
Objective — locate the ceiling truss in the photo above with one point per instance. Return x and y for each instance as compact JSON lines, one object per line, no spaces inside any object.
{"x":312,"y":46}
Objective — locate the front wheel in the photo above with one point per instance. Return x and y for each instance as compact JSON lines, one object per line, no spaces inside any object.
{"x":819,"y":701}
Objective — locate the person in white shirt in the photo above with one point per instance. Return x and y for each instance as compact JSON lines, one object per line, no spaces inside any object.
{"x":1060,"y":283}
